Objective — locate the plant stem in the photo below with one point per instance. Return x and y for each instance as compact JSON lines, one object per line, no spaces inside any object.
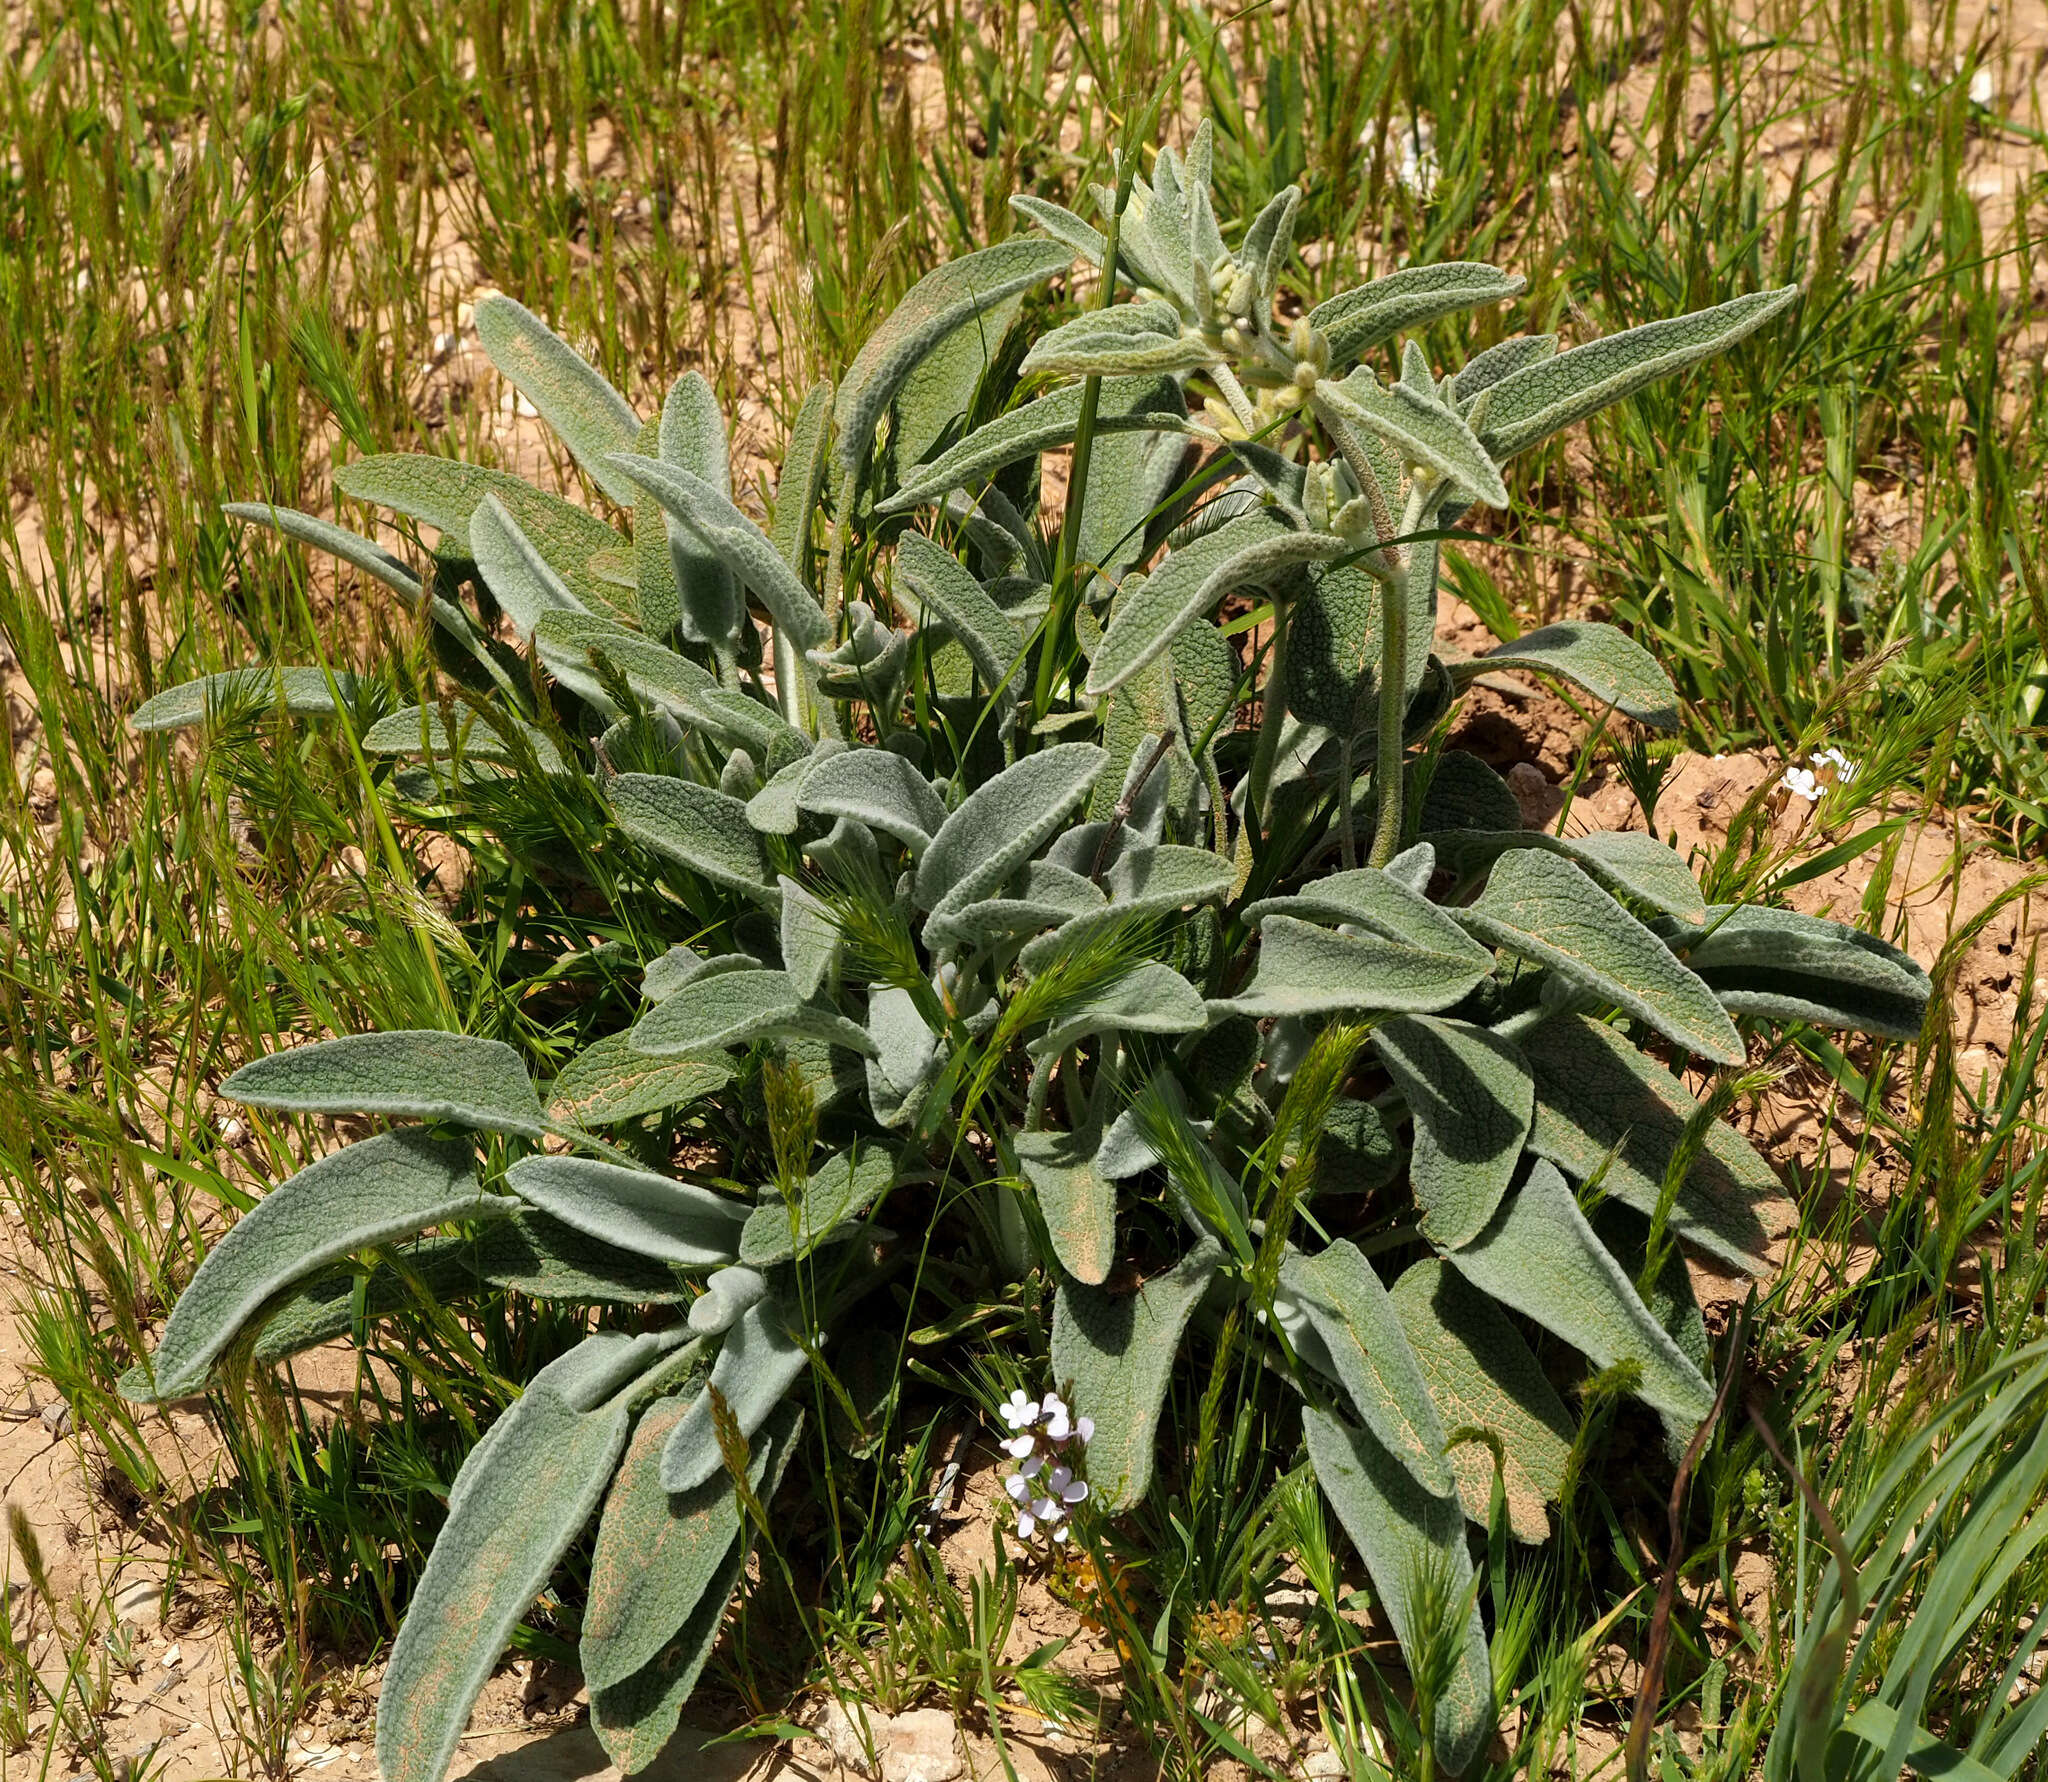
{"x":1388,"y":791}
{"x":1272,"y":718}
{"x":1066,"y":583}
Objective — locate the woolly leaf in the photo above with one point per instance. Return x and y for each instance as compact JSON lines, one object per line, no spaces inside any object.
{"x":844,"y":1189}
{"x":1003,"y":823}
{"x":664,"y":1569}
{"x":810,"y":940}
{"x":691,"y":436}
{"x":1536,"y":401}
{"x":1305,"y":970}
{"x":907,"y":1056}
{"x":337,"y":541}
{"x":941,"y":388}
{"x":1626,"y":862}
{"x":1123,"y":341}
{"x":573,"y":397}
{"x":522,"y":1496}
{"x":876,"y":787}
{"x":1078,"y":1204}
{"x":566,"y":642}
{"x":1483,"y":370}
{"x":608,"y":1082}
{"x":304,"y":692}
{"x":1603,"y":1107}
{"x":1368,"y":897}
{"x":1404,"y":1533}
{"x":1789,"y":967}
{"x":1420,"y":428}
{"x":1149,"y":998}
{"x":803,"y":479}
{"x":1365,"y":1348}
{"x":369,"y":1193}
{"x":1268,"y":240}
{"x":1464,"y":793}
{"x":444,"y":494}
{"x":738,"y":543}
{"x":699,"y":826}
{"x":1607,"y":663}
{"x":946,"y":588}
{"x":424,"y":730}
{"x":757,"y":1364}
{"x":1473,"y":1098}
{"x":733,"y":1008}
{"x":632,"y":1209}
{"x":1541,"y":1258}
{"x":1043,"y":895}
{"x":1355,"y":1151}
{"x":1333,"y":648}
{"x":933,"y":307}
{"x":1545,"y":908}
{"x":1146,"y":617}
{"x":1112,"y":1356}
{"x":417,"y":1075}
{"x":1356,"y":321}
{"x":1167,"y":877}
{"x":1126,"y":405}
{"x":520,"y":579}
{"x":1482,"y":1375}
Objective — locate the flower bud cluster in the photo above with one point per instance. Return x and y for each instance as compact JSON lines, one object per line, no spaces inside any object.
{"x":1043,"y":1487}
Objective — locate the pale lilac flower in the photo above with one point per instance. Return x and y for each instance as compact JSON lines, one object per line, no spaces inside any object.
{"x":1020,"y":1412}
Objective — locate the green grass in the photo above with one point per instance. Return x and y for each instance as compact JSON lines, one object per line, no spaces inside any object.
{"x":220,"y":281}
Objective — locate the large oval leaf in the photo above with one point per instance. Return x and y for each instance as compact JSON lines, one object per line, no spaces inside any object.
{"x":1626,"y":862}
{"x":757,"y":1364}
{"x":1003,"y":823}
{"x":572,"y":395}
{"x":1545,"y":908}
{"x":1607,"y":663}
{"x":932,"y":308}
{"x":841,"y":1191}
{"x":1306,"y":970}
{"x":1356,"y":321}
{"x":949,"y":591}
{"x":876,"y":787}
{"x":1789,"y":967}
{"x":714,"y":1011}
{"x":633,"y":1209}
{"x":522,"y":1496}
{"x":1077,"y":1203}
{"x":426,"y":1074}
{"x":1473,"y":1098}
{"x":1113,"y":1354}
{"x":699,"y":826}
{"x":304,"y":692}
{"x":370,"y":1193}
{"x":608,"y":1081}
{"x":1540,"y":1257}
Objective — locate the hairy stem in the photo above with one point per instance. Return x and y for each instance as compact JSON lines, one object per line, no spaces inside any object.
{"x":1272,"y":719}
{"x":1388,"y":790}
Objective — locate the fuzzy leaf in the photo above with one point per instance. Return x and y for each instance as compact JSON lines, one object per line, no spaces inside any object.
{"x":757,"y":1365}
{"x":876,"y":787}
{"x":1002,"y":823}
{"x":691,"y":436}
{"x":664,"y":1570}
{"x":1305,"y":970}
{"x":414,"y":1075}
{"x":1355,"y":1151}
{"x":304,"y":692}
{"x":946,"y":588}
{"x":1603,"y":1106}
{"x":841,"y":1191}
{"x":1541,"y":1258}
{"x":1167,"y":877}
{"x":337,"y":541}
{"x":369,"y":1193}
{"x":1123,"y":341}
{"x":632,"y":1209}
{"x":734,"y":1008}
{"x":1401,"y":1532}
{"x":443,"y":494}
{"x":1149,"y":998}
{"x":1367,"y":1352}
{"x":423,"y":730}
{"x":1063,"y":226}
{"x":522,"y":1496}
{"x":803,"y":479}
{"x":935,"y":398}
{"x":573,"y":397}
{"x":738,"y":543}
{"x":1473,"y":1098}
{"x":608,"y":1082}
{"x":1043,"y":895}
{"x":1483,"y":370}
{"x":1418,"y":427}
{"x":1607,"y":663}
{"x":1539,"y":399}
{"x":1079,"y":1205}
{"x":1788,"y":967}
{"x":699,"y":826}
{"x":565,"y":642}
{"x":1112,"y":1357}
{"x":1126,"y":405}
{"x":1373,"y":899}
{"x":1626,"y":862}
{"x":1464,"y":793}
{"x":1333,"y":648}
{"x":1268,"y":240}
{"x":1357,"y":321}
{"x":933,"y":307}
{"x":520,"y":579}
{"x":907,"y":1056}
{"x":810,"y":940}
{"x":1146,"y":618}
{"x":1546,"y":909}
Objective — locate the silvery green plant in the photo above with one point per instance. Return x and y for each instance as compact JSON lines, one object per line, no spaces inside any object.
{"x":975,"y":874}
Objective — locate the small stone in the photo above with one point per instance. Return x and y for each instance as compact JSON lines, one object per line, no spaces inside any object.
{"x":173,"y":1657}
{"x":140,"y":1602}
{"x":923,"y":1746}
{"x":57,"y":1419}
{"x":853,"y":1735}
{"x":1322,"y":1761}
{"x":1539,"y":799}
